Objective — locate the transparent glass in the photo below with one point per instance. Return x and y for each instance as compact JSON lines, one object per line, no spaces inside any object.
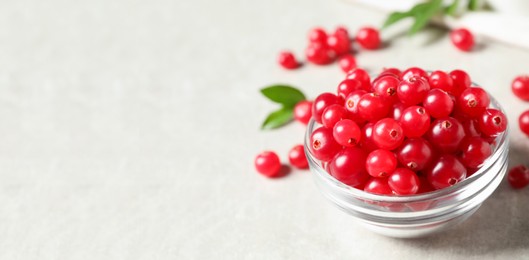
{"x":415,"y":215}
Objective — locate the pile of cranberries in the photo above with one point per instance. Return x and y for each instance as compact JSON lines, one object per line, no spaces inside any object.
{"x":404,"y":133}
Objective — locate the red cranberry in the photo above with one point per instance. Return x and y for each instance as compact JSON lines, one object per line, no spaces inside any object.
{"x":347,"y":62}
{"x":317,"y":35}
{"x":351,"y":104}
{"x":347,"y":133}
{"x":424,"y":185}
{"x":415,"y":154}
{"x":297,"y":157}
{"x":473,"y":101}
{"x":446,"y":171}
{"x":438,"y":103}
{"x":397,"y":110}
{"x":386,"y":87}
{"x":492,"y":122}
{"x":368,"y":38}
{"x":332,"y":114}
{"x":520,"y":87}
{"x":404,"y":182}
{"x":339,"y":44}
{"x":388,"y":134}
{"x":342,"y":32}
{"x":518,"y":177}
{"x":372,"y":107}
{"x":415,"y":121}
{"x":319,"y":54}
{"x":462,"y":39}
{"x":268,"y":164}
{"x":362,"y":76}
{"x":475,"y":151}
{"x":414,"y":72}
{"x":394,"y":71}
{"x":413,"y":90}
{"x":287,"y":60}
{"x":380,"y":163}
{"x":367,"y":142}
{"x":441,"y":80}
{"x":303,"y":111}
{"x":446,"y":134}
{"x":461,"y":82}
{"x":349,"y":167}
{"x":471,"y":128}
{"x":378,"y":186}
{"x":523,"y":121}
{"x":347,"y":86}
{"x":323,"y":145}
{"x":321,"y":103}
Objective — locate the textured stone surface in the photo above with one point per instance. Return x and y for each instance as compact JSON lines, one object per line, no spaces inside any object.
{"x":129,"y":129}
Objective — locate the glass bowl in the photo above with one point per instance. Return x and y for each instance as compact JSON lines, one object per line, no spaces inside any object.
{"x":414,"y":215}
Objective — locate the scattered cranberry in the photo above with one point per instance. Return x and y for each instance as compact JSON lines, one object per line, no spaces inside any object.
{"x":461,"y":81}
{"x":268,"y":164}
{"x":368,"y":38}
{"x":342,"y":32}
{"x":347,"y":87}
{"x":347,"y":62}
{"x":303,"y":111}
{"x":321,"y":103}
{"x":388,"y":134}
{"x":404,"y":182}
{"x":473,"y":101}
{"x":441,"y":80}
{"x":323,"y":145}
{"x":446,"y":171}
{"x":462,"y":39}
{"x":317,"y":35}
{"x":415,"y":154}
{"x":319,"y":54}
{"x":523,"y":121}
{"x":339,"y":43}
{"x":518,"y":177}
{"x":378,"y":186}
{"x":415,"y":121}
{"x":362,"y":76}
{"x":297,"y":157}
{"x":413,"y":90}
{"x":414,"y":72}
{"x":438,"y":103}
{"x":492,"y":122}
{"x":520,"y":87}
{"x":475,"y":151}
{"x":287,"y":60}
{"x":349,"y":166}
{"x":380,"y":163}
{"x":332,"y":114}
{"x":347,"y":133}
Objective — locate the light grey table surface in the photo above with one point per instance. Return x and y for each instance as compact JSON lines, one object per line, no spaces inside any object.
{"x":129,"y":130}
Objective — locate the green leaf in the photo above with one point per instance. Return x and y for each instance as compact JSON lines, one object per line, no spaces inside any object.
{"x":395,"y":17}
{"x":286,"y":95}
{"x":451,"y":9}
{"x":473,"y":5}
{"x":278,"y":118}
{"x":423,"y":17}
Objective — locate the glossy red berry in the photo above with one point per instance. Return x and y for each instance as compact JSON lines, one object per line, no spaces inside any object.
{"x":372,"y":107}
{"x":362,"y":76}
{"x":424,"y":185}
{"x":441,"y":80}
{"x":367,"y":142}
{"x":415,"y":154}
{"x":347,"y":62}
{"x":332,"y":114}
{"x":397,"y":110}
{"x":404,"y":182}
{"x":518,"y":177}
{"x":368,"y":38}
{"x":349,"y":167}
{"x":386,"y":87}
{"x":414,"y":72}
{"x":446,"y":134}
{"x":471,"y":127}
{"x":492,"y":122}
{"x":520,"y":87}
{"x":317,"y":35}
{"x":339,"y":44}
{"x":380,"y":163}
{"x":347,"y":133}
{"x":303,"y":111}
{"x":319,"y":54}
{"x":461,"y":81}
{"x":268,"y":164}
{"x":393,"y":71}
{"x":438,"y":103}
{"x":415,"y":121}
{"x":388,"y":134}
{"x":523,"y":122}
{"x":413,"y":90}
{"x":297,"y":157}
{"x":287,"y":60}
{"x":351,"y":104}
{"x":473,"y":101}
{"x":341,"y":32}
{"x":446,"y":171}
{"x":462,"y":39}
{"x":321,"y":103}
{"x":378,"y":186}
{"x":475,"y":151}
{"x":347,"y":87}
{"x":322,"y":144}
